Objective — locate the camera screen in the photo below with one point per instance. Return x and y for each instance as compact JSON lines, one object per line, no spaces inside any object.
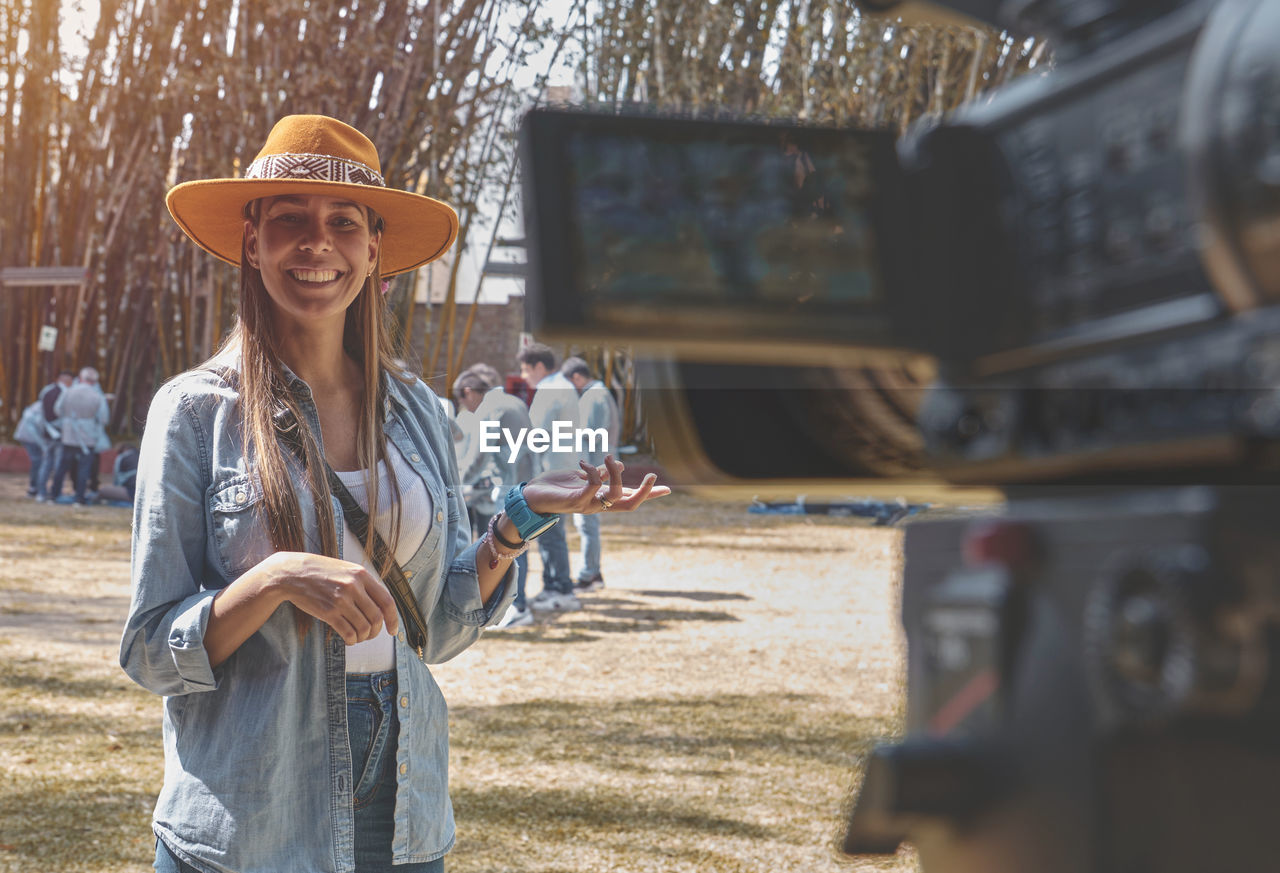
{"x":685,"y":229}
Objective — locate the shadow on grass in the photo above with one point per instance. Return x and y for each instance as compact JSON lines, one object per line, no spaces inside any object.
{"x":30,"y":677}
{"x":677,"y":773}
{"x":88,"y":621}
{"x":594,"y":808}
{"x":708,"y":541}
{"x":608,"y":615}
{"x":71,"y":521}
{"x":704,"y":596}
{"x":646,"y":734}
{"x":106,"y":827}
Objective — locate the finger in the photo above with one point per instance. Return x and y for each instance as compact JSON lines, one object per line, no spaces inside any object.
{"x":358,"y":614}
{"x":590,"y":471}
{"x":614,"y":470}
{"x":648,"y":489}
{"x":654,"y":491}
{"x":364,"y":614}
{"x":344,"y":629}
{"x":385,"y":603}
{"x":614,"y":466}
{"x":593,"y":478}
{"x":634,"y":497}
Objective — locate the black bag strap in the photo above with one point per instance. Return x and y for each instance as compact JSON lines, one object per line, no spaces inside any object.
{"x":289,"y":430}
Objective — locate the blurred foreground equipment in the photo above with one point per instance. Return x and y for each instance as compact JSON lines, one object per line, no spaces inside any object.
{"x":1068,"y":292}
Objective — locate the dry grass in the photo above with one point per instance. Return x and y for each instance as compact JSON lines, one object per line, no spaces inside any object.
{"x":707,"y":711}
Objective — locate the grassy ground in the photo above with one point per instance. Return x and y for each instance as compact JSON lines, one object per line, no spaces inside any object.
{"x":707,"y":711}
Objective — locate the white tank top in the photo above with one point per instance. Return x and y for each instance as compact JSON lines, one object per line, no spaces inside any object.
{"x":379,"y":653}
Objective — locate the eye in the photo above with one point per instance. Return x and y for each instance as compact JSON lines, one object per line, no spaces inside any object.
{"x":347,"y":220}
{"x":286,"y":218}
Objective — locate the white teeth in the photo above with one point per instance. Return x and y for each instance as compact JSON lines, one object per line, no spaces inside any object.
{"x":314,"y":275}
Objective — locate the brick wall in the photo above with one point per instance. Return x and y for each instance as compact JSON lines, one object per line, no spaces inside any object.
{"x":495,"y":336}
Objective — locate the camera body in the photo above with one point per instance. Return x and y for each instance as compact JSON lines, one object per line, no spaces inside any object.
{"x":1068,"y":292}
{"x":1110,"y":315}
{"x":1091,"y":687}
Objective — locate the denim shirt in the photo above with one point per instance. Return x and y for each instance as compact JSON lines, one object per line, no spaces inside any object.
{"x":258,"y":770}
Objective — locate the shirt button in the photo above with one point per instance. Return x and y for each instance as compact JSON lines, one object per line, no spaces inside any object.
{"x":415,"y":457}
{"x":400,"y":636}
{"x":404,"y":768}
{"x":241,"y":497}
{"x":404,"y":701}
{"x":439,"y":515}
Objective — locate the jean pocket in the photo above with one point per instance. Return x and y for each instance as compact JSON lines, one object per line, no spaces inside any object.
{"x":367,"y":730}
{"x":238,"y":530}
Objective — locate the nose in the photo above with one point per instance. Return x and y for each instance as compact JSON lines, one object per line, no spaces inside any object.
{"x":315,"y":236}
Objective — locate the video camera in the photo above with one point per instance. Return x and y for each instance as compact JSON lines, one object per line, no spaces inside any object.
{"x":1068,"y":292}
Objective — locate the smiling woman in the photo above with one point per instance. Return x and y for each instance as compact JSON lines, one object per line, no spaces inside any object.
{"x":314,"y":253}
{"x":301,"y":547}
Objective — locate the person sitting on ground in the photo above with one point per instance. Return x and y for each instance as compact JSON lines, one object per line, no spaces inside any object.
{"x":124,"y":476}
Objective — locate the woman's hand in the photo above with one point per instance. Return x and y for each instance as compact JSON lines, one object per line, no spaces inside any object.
{"x":342,"y":594}
{"x":590,"y":489}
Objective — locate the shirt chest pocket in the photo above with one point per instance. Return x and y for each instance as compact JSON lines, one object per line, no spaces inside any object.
{"x":238,"y":527}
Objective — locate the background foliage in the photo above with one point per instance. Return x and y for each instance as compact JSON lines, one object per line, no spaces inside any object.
{"x":170,"y":90}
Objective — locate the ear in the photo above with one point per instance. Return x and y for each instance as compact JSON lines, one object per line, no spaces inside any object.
{"x":251,"y":244}
{"x":375,"y":243}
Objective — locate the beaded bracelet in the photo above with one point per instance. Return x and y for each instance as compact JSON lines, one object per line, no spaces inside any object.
{"x":501,"y":540}
{"x":491,"y":538}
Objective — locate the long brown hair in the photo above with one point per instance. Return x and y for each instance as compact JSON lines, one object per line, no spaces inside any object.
{"x":264,"y":392}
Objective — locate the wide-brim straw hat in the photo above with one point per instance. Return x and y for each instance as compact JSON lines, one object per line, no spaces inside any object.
{"x":315,"y":154}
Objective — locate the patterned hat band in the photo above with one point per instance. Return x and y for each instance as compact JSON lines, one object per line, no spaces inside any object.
{"x":315,"y":168}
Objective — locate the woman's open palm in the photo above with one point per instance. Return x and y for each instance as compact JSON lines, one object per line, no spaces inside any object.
{"x":589,"y":489}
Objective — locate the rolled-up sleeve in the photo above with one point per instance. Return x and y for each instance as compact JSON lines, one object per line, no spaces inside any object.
{"x":163,"y":644}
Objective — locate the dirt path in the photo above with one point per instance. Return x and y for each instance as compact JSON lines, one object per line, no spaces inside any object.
{"x":706,"y":711}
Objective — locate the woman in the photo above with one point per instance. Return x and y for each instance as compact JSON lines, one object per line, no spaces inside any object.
{"x":302,"y":729}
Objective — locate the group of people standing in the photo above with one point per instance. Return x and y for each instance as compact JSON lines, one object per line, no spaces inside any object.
{"x":569,"y":394}
{"x":64,"y":431}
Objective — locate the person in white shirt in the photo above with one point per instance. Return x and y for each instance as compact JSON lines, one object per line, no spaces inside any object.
{"x":597,"y":411}
{"x":480,"y":390}
{"x":83,"y":413}
{"x":554,"y":400}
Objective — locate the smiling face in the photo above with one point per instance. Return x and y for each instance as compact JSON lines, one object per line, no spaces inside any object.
{"x":314,"y":253}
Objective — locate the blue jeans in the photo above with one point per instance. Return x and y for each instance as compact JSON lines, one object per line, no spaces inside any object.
{"x":372,"y":731}
{"x":73,"y":456}
{"x":52,"y":458}
{"x":589,"y":530}
{"x":35,"y":452}
{"x":522,"y":573}
{"x":554,"y":549}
